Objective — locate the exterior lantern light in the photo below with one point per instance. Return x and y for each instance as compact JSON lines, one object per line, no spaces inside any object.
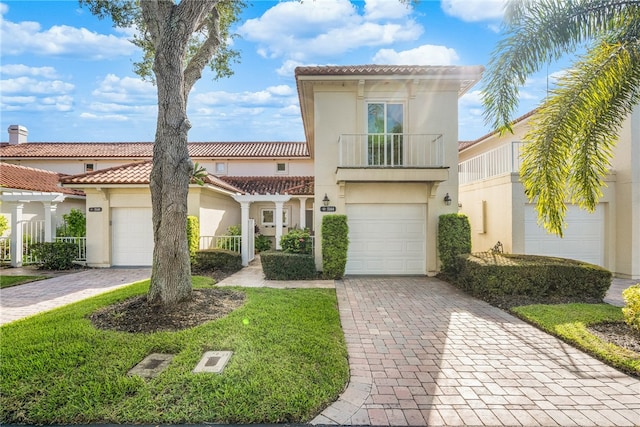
{"x":447,"y":199}
{"x":325,"y":200}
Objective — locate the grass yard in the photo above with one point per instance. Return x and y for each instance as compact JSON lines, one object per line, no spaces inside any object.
{"x":569,"y":322}
{"x":289,"y":362}
{"x":8,"y":281}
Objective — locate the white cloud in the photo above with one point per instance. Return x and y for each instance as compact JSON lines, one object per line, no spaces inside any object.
{"x":104,"y":117}
{"x":386,"y":9}
{"x":126,"y":90}
{"x":301,"y":30}
{"x":24,"y":85}
{"x":422,"y":55}
{"x":29,"y":37}
{"x":22,"y":70}
{"x":474,"y":10}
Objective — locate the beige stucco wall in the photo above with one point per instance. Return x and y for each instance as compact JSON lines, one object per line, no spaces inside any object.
{"x":68,"y":166}
{"x":505,"y":201}
{"x":338,"y":109}
{"x":626,"y":164}
{"x":215,"y":211}
{"x":260,"y":167}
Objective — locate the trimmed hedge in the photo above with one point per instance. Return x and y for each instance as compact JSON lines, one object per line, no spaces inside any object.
{"x":193,"y":234}
{"x":55,"y":255}
{"x":487,"y":275}
{"x":218,"y":259}
{"x":335,"y":243}
{"x":278,"y":265}
{"x":454,"y":238}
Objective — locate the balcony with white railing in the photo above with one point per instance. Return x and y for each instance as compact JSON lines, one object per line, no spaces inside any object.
{"x":502,"y":160}
{"x":391,"y":157}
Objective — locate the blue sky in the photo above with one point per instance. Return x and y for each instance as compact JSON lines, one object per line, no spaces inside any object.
{"x":68,"y":77}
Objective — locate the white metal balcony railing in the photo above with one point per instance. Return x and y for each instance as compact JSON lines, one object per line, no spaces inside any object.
{"x":391,"y":150}
{"x":499,"y":161}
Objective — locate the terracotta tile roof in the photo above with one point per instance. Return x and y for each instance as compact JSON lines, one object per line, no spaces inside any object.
{"x":24,"y":178}
{"x":294,"y":185}
{"x":384,"y":70}
{"x":133,"y":173}
{"x":144,"y":150}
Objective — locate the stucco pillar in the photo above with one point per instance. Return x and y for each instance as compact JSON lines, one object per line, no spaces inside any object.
{"x":49,"y":221}
{"x":303,"y":212}
{"x":16,"y":235}
{"x":279,"y":206}
{"x":244,"y":235}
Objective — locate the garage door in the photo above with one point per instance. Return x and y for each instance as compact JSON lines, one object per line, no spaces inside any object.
{"x":132,"y":237}
{"x":583,"y":238}
{"x":386,"y":239}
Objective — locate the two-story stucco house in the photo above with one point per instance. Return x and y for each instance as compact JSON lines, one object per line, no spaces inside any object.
{"x":384,"y":145}
{"x":493,"y":198}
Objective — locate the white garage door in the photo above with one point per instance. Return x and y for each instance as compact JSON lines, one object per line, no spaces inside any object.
{"x":132,"y":237}
{"x":386,"y":239}
{"x":583,"y":238}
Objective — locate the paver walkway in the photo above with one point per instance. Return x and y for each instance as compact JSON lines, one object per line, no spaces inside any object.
{"x":32,"y":298}
{"x":423,"y":353}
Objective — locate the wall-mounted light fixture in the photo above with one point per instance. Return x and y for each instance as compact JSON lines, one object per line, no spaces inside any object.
{"x":325,"y":200}
{"x":447,"y":199}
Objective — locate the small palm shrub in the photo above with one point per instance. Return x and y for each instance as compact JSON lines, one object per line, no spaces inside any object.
{"x":631,"y":310}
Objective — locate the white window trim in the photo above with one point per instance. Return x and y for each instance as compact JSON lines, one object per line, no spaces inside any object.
{"x":93,"y":167}
{"x":224,"y":168}
{"x":286,"y":168}
{"x":285,"y":213}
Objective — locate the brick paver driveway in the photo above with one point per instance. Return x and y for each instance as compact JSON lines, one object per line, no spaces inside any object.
{"x":423,"y":353}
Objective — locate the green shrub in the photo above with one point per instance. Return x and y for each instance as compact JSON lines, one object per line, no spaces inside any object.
{"x":193,"y":235}
{"x":55,"y":255}
{"x":489,"y":275}
{"x":262,"y":243}
{"x":4,"y":224}
{"x":217,"y":259}
{"x":231,"y":243}
{"x":631,"y":309}
{"x":296,"y":241}
{"x":454,"y":238}
{"x":278,"y":265}
{"x":335,"y":243}
{"x":74,"y":225}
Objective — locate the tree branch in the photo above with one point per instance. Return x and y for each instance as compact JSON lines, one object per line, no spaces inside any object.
{"x":194,"y":68}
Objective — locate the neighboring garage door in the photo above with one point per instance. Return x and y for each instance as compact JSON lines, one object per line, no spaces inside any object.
{"x":583,"y":239}
{"x":386,"y":239}
{"x":132,"y":237}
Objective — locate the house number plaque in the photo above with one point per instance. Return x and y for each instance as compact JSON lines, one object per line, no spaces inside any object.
{"x":327,"y":208}
{"x":94,"y":209}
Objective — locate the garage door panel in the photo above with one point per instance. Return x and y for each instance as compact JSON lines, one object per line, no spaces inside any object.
{"x":132,"y":237}
{"x":583,"y":238}
{"x":386,"y":239}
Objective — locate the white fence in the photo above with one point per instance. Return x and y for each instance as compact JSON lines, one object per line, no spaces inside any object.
{"x":391,"y":150}
{"x":230,"y":243}
{"x":499,"y":161}
{"x":33,"y":232}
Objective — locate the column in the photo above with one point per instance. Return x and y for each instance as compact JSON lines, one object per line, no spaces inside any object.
{"x":16,"y":235}
{"x":49,"y":221}
{"x":303,"y":212}
{"x":279,"y":206}
{"x":244,"y":235}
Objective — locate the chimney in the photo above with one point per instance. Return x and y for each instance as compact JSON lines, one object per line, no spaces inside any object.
{"x":17,"y":134}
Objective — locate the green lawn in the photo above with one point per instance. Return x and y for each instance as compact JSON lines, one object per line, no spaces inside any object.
{"x":289,"y":362}
{"x":569,"y":322}
{"x":8,"y":281}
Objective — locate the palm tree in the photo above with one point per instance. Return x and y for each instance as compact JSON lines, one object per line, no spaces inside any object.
{"x":573,"y":132}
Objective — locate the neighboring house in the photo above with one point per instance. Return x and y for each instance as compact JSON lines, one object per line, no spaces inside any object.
{"x":34,"y":202}
{"x":493,"y":198}
{"x":119,"y":202}
{"x":384,"y":144}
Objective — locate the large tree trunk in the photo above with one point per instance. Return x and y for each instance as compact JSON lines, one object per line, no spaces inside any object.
{"x":170,"y":27}
{"x":172,"y":169}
